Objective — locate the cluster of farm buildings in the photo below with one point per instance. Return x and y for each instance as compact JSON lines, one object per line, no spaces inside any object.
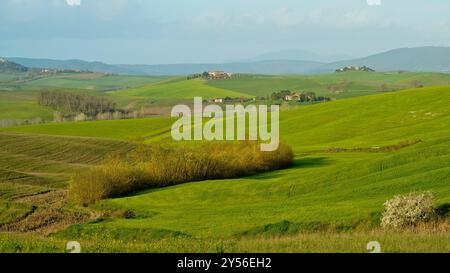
{"x":216,"y":75}
{"x":355,"y":68}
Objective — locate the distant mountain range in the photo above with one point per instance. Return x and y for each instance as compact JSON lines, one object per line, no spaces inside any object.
{"x":7,"y":66}
{"x":259,"y":67}
{"x":73,"y":65}
{"x":299,"y":55}
{"x":430,"y":59}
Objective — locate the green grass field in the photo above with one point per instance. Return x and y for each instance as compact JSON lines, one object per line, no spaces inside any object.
{"x":409,"y":241}
{"x":85,"y":81}
{"x":360,"y":83}
{"x":177,"y":90}
{"x":130,"y":130}
{"x":349,"y":161}
{"x":35,"y":164}
{"x":22,"y":105}
{"x":19,"y":91}
{"x":18,"y":98}
{"x":340,"y":189}
{"x":351,"y":155}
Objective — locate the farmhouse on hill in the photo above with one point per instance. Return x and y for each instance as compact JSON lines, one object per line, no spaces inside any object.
{"x":217,"y":100}
{"x":299,"y":96}
{"x":355,"y":68}
{"x":303,"y":96}
{"x":217,"y":75}
{"x":293,"y":97}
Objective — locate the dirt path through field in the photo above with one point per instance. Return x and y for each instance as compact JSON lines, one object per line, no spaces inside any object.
{"x":50,"y":212}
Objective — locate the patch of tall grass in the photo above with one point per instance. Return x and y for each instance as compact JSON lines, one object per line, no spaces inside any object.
{"x":160,"y":166}
{"x":322,"y":242}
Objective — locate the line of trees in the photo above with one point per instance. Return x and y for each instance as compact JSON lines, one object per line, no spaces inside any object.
{"x":75,"y":103}
{"x":280,"y":95}
{"x":301,"y":97}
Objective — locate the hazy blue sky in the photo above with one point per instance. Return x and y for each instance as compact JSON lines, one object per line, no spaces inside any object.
{"x":178,"y":31}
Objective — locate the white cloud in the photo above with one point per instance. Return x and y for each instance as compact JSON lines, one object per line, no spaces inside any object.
{"x":73,"y":2}
{"x":374,"y":2}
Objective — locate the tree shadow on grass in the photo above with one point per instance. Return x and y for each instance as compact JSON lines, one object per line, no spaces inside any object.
{"x":311,"y":162}
{"x":300,"y":163}
{"x":443,"y":210}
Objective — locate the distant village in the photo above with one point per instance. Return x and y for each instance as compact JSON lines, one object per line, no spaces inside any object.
{"x":355,"y":68}
{"x":211,"y":75}
{"x":305,"y":96}
{"x":284,"y":95}
{"x":58,"y":71}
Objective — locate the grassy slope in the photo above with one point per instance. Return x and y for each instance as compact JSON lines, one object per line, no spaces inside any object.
{"x":32,"y":164}
{"x":178,"y":90}
{"x":18,"y":92}
{"x":22,"y":105}
{"x":92,"y":81}
{"x":306,"y":243}
{"x":361,"y":83}
{"x":339,"y":189}
{"x":134,"y":129}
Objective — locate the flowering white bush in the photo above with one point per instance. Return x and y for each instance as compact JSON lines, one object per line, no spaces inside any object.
{"x":408,"y":210}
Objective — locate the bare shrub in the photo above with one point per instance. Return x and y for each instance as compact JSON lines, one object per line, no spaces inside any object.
{"x":160,"y":166}
{"x":409,"y":210}
{"x":100,"y":182}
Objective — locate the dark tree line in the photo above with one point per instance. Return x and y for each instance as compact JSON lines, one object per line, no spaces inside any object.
{"x":194,"y":76}
{"x":280,"y":95}
{"x":301,"y":97}
{"x":73,"y":103}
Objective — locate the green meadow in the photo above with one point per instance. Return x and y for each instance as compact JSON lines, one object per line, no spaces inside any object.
{"x":86,"y":81}
{"x":160,"y":93}
{"x":22,"y":105}
{"x":19,"y":91}
{"x":135,"y":129}
{"x":174,"y":91}
{"x":331,"y":85}
{"x":351,"y":156}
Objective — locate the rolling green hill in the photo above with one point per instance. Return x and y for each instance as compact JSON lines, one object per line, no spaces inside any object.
{"x":396,"y":143}
{"x":19,"y":91}
{"x":359,"y":83}
{"x":33,"y":165}
{"x":134,"y":129}
{"x":92,"y":81}
{"x":351,"y":156}
{"x":18,"y":100}
{"x":179,"y":90}
{"x":323,"y":186}
{"x":22,"y":105}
